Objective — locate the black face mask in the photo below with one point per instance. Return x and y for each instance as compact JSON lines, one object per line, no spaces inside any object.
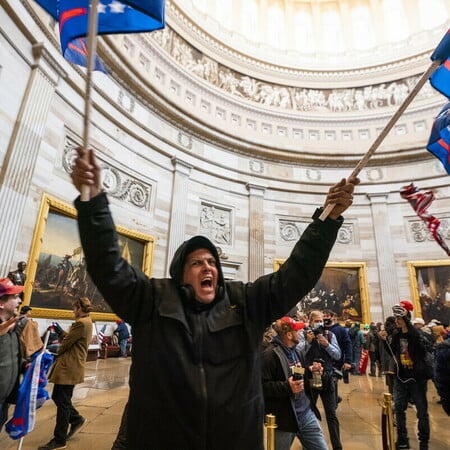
{"x":327,"y":322}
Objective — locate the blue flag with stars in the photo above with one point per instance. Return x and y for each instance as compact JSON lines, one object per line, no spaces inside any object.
{"x":114,"y":16}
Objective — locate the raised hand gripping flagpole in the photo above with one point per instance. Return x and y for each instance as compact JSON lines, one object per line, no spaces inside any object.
{"x":92,"y":51}
{"x":434,"y":65}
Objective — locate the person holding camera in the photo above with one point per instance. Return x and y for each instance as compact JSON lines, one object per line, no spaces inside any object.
{"x":285,"y":392}
{"x":320,"y":345}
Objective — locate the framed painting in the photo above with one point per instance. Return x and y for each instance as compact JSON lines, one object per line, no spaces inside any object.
{"x":342,"y":288}
{"x":57,"y":268}
{"x":430,"y":289}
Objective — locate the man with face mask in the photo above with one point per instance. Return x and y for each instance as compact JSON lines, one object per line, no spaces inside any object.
{"x":321,"y":345}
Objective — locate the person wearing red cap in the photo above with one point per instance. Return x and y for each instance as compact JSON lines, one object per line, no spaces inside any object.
{"x":10,"y":353}
{"x":196,"y":373}
{"x":286,"y":395}
{"x":123,"y":335}
{"x":410,"y":349}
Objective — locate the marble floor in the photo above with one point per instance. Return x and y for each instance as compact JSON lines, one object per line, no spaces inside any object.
{"x":102,"y":396}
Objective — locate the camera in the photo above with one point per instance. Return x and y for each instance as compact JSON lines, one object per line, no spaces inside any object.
{"x":316,"y":331}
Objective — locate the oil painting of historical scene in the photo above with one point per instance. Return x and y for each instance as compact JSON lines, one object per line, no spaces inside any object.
{"x":341,"y":288}
{"x":61,"y":273}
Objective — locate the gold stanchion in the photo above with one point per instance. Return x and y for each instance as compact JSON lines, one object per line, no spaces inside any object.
{"x":388,"y":423}
{"x":390,"y":415}
{"x":270,"y":427}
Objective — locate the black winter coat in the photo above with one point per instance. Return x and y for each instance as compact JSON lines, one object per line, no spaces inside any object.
{"x":195,"y":374}
{"x":278,"y":399}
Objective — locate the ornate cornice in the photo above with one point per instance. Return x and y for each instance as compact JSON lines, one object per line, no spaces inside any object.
{"x":382,"y":63}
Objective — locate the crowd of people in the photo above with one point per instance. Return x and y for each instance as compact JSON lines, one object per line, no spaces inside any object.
{"x":194,"y":331}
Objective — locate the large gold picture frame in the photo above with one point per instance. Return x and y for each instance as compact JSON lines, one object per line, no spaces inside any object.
{"x":56,"y":271}
{"x":342,"y":287}
{"x":430,"y":289}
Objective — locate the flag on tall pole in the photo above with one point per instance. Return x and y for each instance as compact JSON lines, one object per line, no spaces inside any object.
{"x":439,"y":141}
{"x":113,"y":16}
{"x":439,"y":58}
{"x":32,"y":394}
{"x":420,"y":201}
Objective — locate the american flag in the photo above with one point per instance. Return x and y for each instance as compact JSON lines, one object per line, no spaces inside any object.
{"x":114,"y":16}
{"x":440,"y":78}
{"x":101,"y":335}
{"x":420,"y":201}
{"x":32,"y":394}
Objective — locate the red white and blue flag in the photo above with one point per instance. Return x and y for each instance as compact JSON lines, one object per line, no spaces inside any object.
{"x":125,"y":16}
{"x":439,"y":142}
{"x":77,"y":53}
{"x":420,"y":201}
{"x":101,"y":335}
{"x":440,"y":78}
{"x":32,"y":394}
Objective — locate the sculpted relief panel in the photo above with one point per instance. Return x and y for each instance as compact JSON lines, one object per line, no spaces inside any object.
{"x":215,"y":222}
{"x":363,"y":98}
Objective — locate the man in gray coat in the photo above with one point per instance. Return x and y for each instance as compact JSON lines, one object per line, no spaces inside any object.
{"x":195,"y":375}
{"x":10,"y":355}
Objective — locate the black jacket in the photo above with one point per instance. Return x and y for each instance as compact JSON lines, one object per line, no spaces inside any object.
{"x":442,"y":376}
{"x":195,"y":374}
{"x":417,"y":348}
{"x":278,"y":397}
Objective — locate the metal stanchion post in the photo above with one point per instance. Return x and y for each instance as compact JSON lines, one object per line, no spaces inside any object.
{"x":270,"y":427}
{"x":390,"y":419}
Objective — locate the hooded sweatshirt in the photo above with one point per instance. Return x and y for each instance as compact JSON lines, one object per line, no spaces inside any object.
{"x":195,"y":374}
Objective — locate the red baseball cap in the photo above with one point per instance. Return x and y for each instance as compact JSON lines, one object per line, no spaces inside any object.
{"x":296,"y":326}
{"x":7,"y":287}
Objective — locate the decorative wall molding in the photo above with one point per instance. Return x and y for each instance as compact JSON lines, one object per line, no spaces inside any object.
{"x":290,"y":231}
{"x":418,"y":231}
{"x":117,"y":183}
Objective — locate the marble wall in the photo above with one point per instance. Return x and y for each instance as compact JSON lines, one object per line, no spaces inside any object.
{"x":168,"y":180}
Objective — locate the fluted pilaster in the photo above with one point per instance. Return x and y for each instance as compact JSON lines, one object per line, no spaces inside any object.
{"x":385,"y":255}
{"x":18,"y":170}
{"x":177,"y":230}
{"x":256,"y":231}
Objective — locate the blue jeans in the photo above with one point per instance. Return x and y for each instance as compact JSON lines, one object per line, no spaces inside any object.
{"x":417,"y":392}
{"x":309,"y":433}
{"x":123,"y":347}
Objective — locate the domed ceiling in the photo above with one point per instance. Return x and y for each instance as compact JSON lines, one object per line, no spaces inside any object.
{"x":282,"y":79}
{"x":322,"y":34}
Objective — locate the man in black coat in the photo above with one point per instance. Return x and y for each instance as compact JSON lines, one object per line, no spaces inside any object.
{"x":285,"y":379}
{"x":442,"y":374}
{"x":195,"y":376}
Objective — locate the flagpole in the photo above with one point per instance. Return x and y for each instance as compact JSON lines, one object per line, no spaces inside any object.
{"x":92,"y":51}
{"x":20,"y":443}
{"x":386,"y":129}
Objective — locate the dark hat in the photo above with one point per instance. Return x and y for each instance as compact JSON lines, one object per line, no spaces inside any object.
{"x":7,"y":287}
{"x":187,"y":247}
{"x":25,"y":309}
